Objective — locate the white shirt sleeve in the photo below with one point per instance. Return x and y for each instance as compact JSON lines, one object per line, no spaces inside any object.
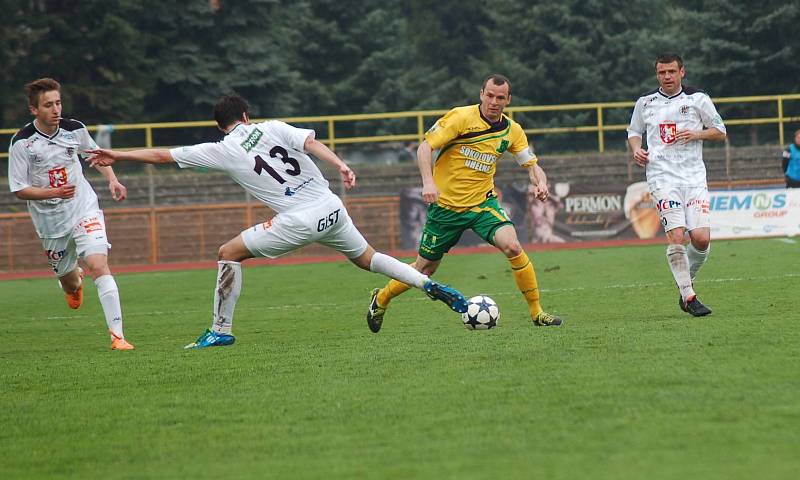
{"x":208,"y":155}
{"x":18,"y":167}
{"x":291,"y":136}
{"x":709,"y":115}
{"x":637,"y":128}
{"x":87,"y":142}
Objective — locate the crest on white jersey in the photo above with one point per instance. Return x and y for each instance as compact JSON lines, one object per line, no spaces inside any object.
{"x":669,"y":132}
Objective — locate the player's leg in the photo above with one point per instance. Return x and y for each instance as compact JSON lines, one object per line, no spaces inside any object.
{"x":493,"y":225}
{"x":70,"y":275}
{"x":273,"y":238}
{"x":670,"y":204}
{"x":395,"y":288}
{"x":441,"y":231}
{"x":675,"y":206}
{"x":389,"y":266}
{"x":226,"y":293}
{"x":505,"y":239}
{"x":698,"y":249}
{"x":407,"y":275}
{"x":678,"y":261}
{"x":380,"y":297}
{"x":63,"y":259}
{"x":229,"y":283}
{"x":108,"y":293}
{"x":698,"y":223}
{"x":71,"y":283}
{"x":92,"y":245}
{"x":345,"y":238}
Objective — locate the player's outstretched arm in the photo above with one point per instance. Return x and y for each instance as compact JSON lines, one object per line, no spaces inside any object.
{"x":103,"y":157}
{"x":321,"y":151}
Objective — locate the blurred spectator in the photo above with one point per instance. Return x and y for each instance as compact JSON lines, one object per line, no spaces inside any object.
{"x":103,"y":136}
{"x":791,"y":162}
{"x":543,"y":218}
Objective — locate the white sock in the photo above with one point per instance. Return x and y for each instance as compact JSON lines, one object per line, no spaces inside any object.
{"x":394,"y":268}
{"x":109,"y":299}
{"x":696,"y":258}
{"x":679,"y":265}
{"x":226,"y":293}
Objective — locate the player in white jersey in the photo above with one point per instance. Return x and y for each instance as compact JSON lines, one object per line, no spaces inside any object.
{"x":676,"y":120}
{"x":270,"y":160}
{"x":44,"y":169}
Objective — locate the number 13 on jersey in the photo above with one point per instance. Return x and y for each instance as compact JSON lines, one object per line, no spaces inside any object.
{"x":293,"y":167}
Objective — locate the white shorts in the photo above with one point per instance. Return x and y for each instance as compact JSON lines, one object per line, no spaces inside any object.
{"x":88,"y":237}
{"x":325,"y":222}
{"x":686,"y":207}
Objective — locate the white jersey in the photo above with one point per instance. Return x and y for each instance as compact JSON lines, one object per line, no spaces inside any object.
{"x":51,"y":161}
{"x":267,"y":159}
{"x":660,"y":116}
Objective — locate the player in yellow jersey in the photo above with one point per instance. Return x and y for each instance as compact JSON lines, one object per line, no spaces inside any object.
{"x":459,"y":188}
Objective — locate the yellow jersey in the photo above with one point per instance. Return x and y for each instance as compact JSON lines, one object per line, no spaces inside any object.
{"x":469,"y":146}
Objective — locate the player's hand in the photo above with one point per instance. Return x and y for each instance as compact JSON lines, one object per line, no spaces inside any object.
{"x":118,"y":190}
{"x":685,"y":136}
{"x":101,"y":157}
{"x":64,"y":191}
{"x":430,"y":193}
{"x":640,"y":157}
{"x":348,"y":177}
{"x":541,"y":191}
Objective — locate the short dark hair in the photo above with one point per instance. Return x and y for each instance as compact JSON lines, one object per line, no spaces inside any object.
{"x":229,"y":109}
{"x":498,"y":80}
{"x":669,"y":57}
{"x":37,"y":87}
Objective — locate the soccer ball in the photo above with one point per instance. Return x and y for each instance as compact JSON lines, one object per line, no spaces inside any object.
{"x":482,"y":313}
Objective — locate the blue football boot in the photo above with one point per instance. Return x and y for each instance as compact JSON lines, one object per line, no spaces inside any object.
{"x":210,"y":338}
{"x":447,"y":294}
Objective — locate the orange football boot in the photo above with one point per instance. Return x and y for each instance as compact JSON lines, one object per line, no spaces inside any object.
{"x":75,"y":299}
{"x":119,"y":343}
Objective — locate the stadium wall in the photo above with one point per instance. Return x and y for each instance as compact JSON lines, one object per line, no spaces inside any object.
{"x":178,"y":216}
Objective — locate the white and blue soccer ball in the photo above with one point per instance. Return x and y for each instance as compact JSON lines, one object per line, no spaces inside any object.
{"x":482,"y":313}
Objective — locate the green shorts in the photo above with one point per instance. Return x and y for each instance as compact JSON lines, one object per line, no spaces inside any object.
{"x":444,"y":227}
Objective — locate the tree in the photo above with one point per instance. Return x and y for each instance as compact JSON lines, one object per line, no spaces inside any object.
{"x":90,"y":46}
{"x":148,"y":60}
{"x":739,"y":48}
{"x":205,"y":52}
{"x":736,"y":47}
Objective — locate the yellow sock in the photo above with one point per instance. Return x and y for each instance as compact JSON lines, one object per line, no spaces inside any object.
{"x":525,"y":276}
{"x":391,"y":290}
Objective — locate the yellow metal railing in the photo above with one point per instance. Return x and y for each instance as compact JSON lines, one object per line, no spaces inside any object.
{"x":598,"y":109}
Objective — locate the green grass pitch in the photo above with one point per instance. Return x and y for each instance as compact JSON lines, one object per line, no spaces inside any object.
{"x":629,"y":387}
